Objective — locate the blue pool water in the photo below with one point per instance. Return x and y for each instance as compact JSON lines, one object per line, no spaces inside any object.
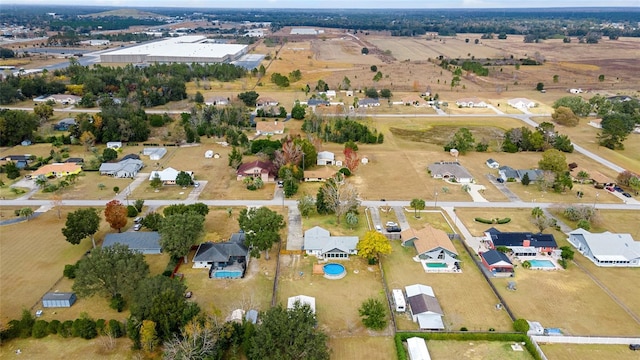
{"x":333,"y":269}
{"x":541,"y":264}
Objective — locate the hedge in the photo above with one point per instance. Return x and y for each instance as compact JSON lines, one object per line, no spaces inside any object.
{"x":464,"y":336}
{"x":492,"y":221}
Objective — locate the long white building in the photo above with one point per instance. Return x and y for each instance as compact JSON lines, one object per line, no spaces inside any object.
{"x":184,"y":49}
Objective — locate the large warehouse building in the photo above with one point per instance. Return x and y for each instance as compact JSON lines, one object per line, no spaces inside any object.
{"x":184,"y":49}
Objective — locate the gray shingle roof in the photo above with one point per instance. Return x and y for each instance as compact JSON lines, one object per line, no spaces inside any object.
{"x":140,"y":241}
{"x":221,"y":252}
{"x":494,"y":257}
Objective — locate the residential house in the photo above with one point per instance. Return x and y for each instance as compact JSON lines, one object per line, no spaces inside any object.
{"x":154,"y":153}
{"x":128,"y":168}
{"x":329,"y":93}
{"x":145,"y":242}
{"x":262,"y":169}
{"x":319,"y":243}
{"x":425,"y":308}
{"x":314,"y":102}
{"x":492,"y":164}
{"x":21,"y":161}
{"x":115,"y":145}
{"x":607,"y":249}
{"x":269,"y":127}
{"x":498,"y":263}
{"x":64,"y":124}
{"x":63,"y":99}
{"x":321,"y":174}
{"x":521,"y":103}
{"x":595,"y":176}
{"x":168,"y":176}
{"x":266,"y":101}
{"x":506,"y":173}
{"x":224,"y":260}
{"x":471,"y":103}
{"x":368,"y":102}
{"x":596,"y":123}
{"x":435,"y":250}
{"x":521,"y":243}
{"x":450,"y":170}
{"x":217,"y":100}
{"x":325,"y":158}
{"x":57,"y":170}
{"x":302,"y":300}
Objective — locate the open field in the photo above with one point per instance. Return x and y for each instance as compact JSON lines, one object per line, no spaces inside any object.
{"x":337,"y":301}
{"x":451,"y":349}
{"x":470,"y":303}
{"x":362,"y":347}
{"x":57,"y":348}
{"x":587,"y":352}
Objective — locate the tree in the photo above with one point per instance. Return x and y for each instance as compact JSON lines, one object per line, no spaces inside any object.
{"x":26,"y":212}
{"x":525,"y":179}
{"x":161,"y":300}
{"x":80,"y":224}
{"x":109,"y":154}
{"x":249,"y":98}
{"x":261,"y":226}
{"x":298,"y":111}
{"x":288,"y":334}
{"x":537,"y":212}
{"x":634,"y":183}
{"x":385,"y":93}
{"x":601,"y":77}
{"x":148,"y":337}
{"x":462,"y":141}
{"x":184,"y":179}
{"x":116,"y":214}
{"x":155,"y":182}
{"x":305,"y":205}
{"x":321,"y":205}
{"x":542,"y":222}
{"x":235,"y":158}
{"x":352,"y":219}
{"x":417,"y":204}
{"x":575,"y":103}
{"x":340,"y":196}
{"x":540,"y":86}
{"x":138,"y":204}
{"x":521,"y":326}
{"x":584,"y":224}
{"x":110,"y":271}
{"x":16,"y":125}
{"x":116,"y":189}
{"x":565,"y":116}
{"x":615,"y":129}
{"x":364,"y":51}
{"x":87,"y":139}
{"x":372,"y":245}
{"x":152,"y":221}
{"x":197,"y":340}
{"x":553,"y":160}
{"x":43,"y":111}
{"x":179,"y":231}
{"x":198,"y":98}
{"x":373,"y":313}
{"x":12,"y":170}
{"x":582,"y":176}
{"x":351,"y":159}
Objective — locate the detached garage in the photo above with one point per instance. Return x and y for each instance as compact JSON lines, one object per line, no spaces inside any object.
{"x":58,"y":299}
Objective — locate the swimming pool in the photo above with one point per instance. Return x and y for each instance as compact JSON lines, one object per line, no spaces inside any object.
{"x":542,"y":264}
{"x":334,"y":271}
{"x":436,"y":265}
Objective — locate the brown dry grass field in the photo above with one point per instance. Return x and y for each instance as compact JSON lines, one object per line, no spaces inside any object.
{"x":57,"y":348}
{"x":465,"y":298}
{"x":588,"y":352}
{"x":443,"y":349}
{"x":362,"y":347}
{"x":337,"y":301}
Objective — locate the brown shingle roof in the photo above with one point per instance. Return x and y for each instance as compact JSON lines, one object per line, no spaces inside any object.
{"x":322,"y":173}
{"x":57,"y":168}
{"x":428,"y":238}
{"x":269,"y":126}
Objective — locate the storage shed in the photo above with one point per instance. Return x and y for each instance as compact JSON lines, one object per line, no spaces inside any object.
{"x":417,"y":349}
{"x":58,"y":299}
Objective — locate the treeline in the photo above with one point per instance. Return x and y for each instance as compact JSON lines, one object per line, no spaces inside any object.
{"x":102,"y":23}
{"x":543,"y":138}
{"x":341,"y":130}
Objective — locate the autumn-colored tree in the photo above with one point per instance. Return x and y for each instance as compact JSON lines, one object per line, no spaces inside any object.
{"x":291,"y":153}
{"x":116,"y":214}
{"x":373,"y":244}
{"x":87,"y":139}
{"x":351,"y":160}
{"x":148,"y":336}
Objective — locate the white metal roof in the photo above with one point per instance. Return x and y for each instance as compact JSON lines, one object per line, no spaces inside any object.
{"x":609,"y":246}
{"x":418,"y":349}
{"x":184,"y":46}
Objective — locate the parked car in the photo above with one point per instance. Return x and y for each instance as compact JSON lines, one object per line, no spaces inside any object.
{"x":618,"y":188}
{"x":137,"y":227}
{"x":634,"y":347}
{"x":196,"y":184}
{"x":393,"y":229}
{"x":138,"y":220}
{"x":378,"y":228}
{"x":610,"y":188}
{"x":500,"y":180}
{"x":626,"y":194}
{"x":390,"y":224}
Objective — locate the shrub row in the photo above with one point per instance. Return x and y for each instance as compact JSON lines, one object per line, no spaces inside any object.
{"x":492,"y":221}
{"x":464,"y":336}
{"x":83,"y":327}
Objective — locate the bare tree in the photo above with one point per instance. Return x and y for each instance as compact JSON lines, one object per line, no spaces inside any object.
{"x":340,"y":196}
{"x":196,"y":341}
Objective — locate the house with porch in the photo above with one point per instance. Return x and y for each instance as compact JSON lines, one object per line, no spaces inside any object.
{"x":521,"y":103}
{"x":450,"y":170}
{"x":264,"y":170}
{"x":266,"y":101}
{"x":321,"y":174}
{"x":269,"y":127}
{"x":607,"y":249}
{"x":319,"y":243}
{"x":128,"y":168}
{"x":225,"y":260}
{"x":57,"y":170}
{"x":521,"y":243}
{"x":425,"y":308}
{"x":498,"y":263}
{"x":368,"y":102}
{"x":434,"y":248}
{"x":168,"y":176}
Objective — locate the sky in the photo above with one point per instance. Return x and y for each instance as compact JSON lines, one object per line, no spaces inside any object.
{"x":341,"y":4}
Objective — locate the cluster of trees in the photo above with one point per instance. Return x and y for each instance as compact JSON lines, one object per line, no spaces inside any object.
{"x":227,"y":122}
{"x":16,"y":126}
{"x":30,"y":86}
{"x":627,"y":178}
{"x":341,"y":130}
{"x":475,"y":67}
{"x":557,"y":175}
{"x":576,"y":104}
{"x":543,"y":138}
{"x":280,"y":80}
{"x":463,"y":141}
{"x":618,"y":124}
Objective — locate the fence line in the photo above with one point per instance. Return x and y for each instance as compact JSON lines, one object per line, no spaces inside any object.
{"x":585,"y":340}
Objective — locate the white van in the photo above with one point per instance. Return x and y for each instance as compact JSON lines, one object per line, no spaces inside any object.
{"x":398,"y":300}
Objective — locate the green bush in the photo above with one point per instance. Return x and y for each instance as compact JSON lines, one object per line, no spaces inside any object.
{"x":66,"y":329}
{"x":54,"y":326}
{"x":484,"y":221}
{"x":503,"y":221}
{"x":100,"y":326}
{"x":84,"y":328}
{"x":117,"y":303}
{"x":521,"y":326}
{"x":40,"y":329}
{"x":70,"y":271}
{"x":115,"y":328}
{"x":345,"y":171}
{"x":464,"y":328}
{"x":132,"y":211}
